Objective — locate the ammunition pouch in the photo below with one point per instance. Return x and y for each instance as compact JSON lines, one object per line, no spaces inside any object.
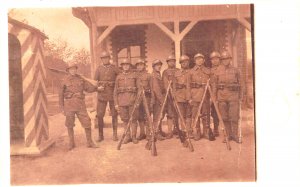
{"x":127,"y":89}
{"x":232,"y":87}
{"x":197,"y":85}
{"x":106,"y":83}
{"x":180,"y":86}
{"x":69,"y":95}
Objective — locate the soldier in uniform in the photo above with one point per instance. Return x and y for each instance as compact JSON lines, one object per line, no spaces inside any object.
{"x":106,"y":74}
{"x":125,"y":95}
{"x":199,"y":76}
{"x":145,"y":80}
{"x":216,"y":66}
{"x":72,"y":102}
{"x":228,"y":91}
{"x":168,"y":75}
{"x":181,"y":90}
{"x":158,"y":95}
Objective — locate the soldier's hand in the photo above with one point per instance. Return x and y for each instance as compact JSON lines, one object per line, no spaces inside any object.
{"x":100,"y":88}
{"x":190,"y":102}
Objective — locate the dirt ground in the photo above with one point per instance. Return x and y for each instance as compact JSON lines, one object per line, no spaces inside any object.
{"x":210,"y":161}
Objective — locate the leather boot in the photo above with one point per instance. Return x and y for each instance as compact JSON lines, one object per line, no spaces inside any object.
{"x":142,"y":130}
{"x":197,"y":136}
{"x":90,"y":143}
{"x":176,"y":124}
{"x":235,"y":132}
{"x":133,"y":133}
{"x":170,"y":128}
{"x":148,"y":137}
{"x":115,"y":128}
{"x":127,"y":137}
{"x":71,"y":138}
{"x":100,"y":129}
{"x":216,"y":128}
{"x":188,"y":123}
{"x":227,"y":127}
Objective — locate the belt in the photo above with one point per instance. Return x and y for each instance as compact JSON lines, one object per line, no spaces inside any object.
{"x":180,"y":86}
{"x":228,"y":87}
{"x":127,"y":89}
{"x":69,"y":95}
{"x":197,"y":85}
{"x":106,"y":83}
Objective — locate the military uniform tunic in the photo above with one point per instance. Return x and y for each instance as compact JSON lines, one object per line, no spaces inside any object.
{"x":168,"y":75}
{"x":125,"y":93}
{"x":158,"y":92}
{"x":145,"y":83}
{"x":106,"y":76}
{"x":199,"y":75}
{"x":181,"y":90}
{"x":228,"y":88}
{"x":72,"y":100}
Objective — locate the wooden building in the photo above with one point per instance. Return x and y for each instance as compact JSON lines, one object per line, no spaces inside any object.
{"x":28,"y":103}
{"x":154,"y":32}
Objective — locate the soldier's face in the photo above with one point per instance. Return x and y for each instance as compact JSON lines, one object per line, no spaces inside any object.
{"x":140,"y":67}
{"x":185,"y":64}
{"x":215,"y":61}
{"x":73,"y":71}
{"x":171,"y":63}
{"x":199,"y":61}
{"x":105,"y":60}
{"x":126,"y":67}
{"x":226,"y":62}
{"x":157,"y":67}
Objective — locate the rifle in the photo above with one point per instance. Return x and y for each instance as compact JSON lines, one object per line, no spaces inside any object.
{"x":130,"y":120}
{"x":145,"y":104}
{"x":155,"y":128}
{"x":220,"y":117}
{"x":91,"y":81}
{"x":195,"y":120}
{"x":240,"y":124}
{"x":182,"y":121}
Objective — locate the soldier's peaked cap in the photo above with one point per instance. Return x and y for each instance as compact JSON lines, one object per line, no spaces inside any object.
{"x":171,"y":57}
{"x":104,"y":54}
{"x":198,"y":55}
{"x":225,"y":55}
{"x":156,"y":61}
{"x":125,"y":61}
{"x":214,"y":54}
{"x":184,"y":58}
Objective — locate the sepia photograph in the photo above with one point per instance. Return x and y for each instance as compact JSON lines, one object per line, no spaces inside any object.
{"x":132,"y":94}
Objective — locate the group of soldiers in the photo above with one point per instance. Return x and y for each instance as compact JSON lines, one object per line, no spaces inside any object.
{"x":179,"y":91}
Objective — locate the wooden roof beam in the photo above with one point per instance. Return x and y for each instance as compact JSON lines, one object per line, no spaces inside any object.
{"x":105,"y":33}
{"x":166,"y":30}
{"x":245,"y":23}
{"x":187,"y":29}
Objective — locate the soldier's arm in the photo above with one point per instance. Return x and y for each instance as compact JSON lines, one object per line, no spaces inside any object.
{"x":240,"y":82}
{"x":188,"y":87}
{"x":61,"y":95}
{"x":96,"y":76}
{"x":116,"y":93}
{"x":165,"y":79}
{"x":88,"y":87}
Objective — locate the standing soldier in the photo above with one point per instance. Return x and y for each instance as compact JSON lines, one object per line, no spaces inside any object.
{"x":158,"y":95}
{"x":181,"y":91}
{"x":72,"y":102}
{"x":125,"y":95}
{"x":228,"y":92}
{"x":145,"y":80}
{"x":199,"y":75}
{"x":216,"y":66}
{"x":106,"y":74}
{"x":168,"y":75}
